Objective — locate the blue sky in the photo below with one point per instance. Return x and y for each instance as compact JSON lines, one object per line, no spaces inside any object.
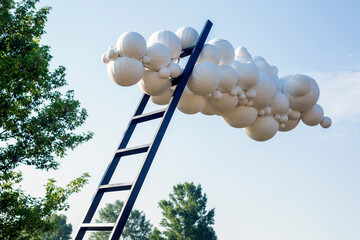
{"x":302,"y":184}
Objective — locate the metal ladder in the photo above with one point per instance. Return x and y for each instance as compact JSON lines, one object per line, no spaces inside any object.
{"x":150,"y":149}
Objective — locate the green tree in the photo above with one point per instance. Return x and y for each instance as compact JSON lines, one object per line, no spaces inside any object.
{"x":185,"y":216}
{"x":61,"y":231}
{"x":37,"y":121}
{"x":136,"y":228}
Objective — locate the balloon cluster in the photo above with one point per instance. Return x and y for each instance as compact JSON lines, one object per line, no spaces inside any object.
{"x":246,"y":91}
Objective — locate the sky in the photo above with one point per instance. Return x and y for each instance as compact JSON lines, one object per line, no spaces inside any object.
{"x":302,"y":184}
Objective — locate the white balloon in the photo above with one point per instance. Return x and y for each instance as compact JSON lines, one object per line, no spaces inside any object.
{"x":132,"y":45}
{"x":164,"y":72}
{"x":250,"y":93}
{"x":326,"y":122}
{"x":205,"y":78}
{"x":295,"y":115}
{"x":281,"y":104}
{"x":169,"y":39}
{"x":188,"y":36}
{"x":104,"y":58}
{"x":313,"y":116}
{"x":227,"y":102}
{"x":191,"y":103}
{"x":242,"y":55}
{"x":240,"y":116}
{"x":265,"y":91}
{"x":209,"y":110}
{"x":209,"y":53}
{"x":248,"y":74}
{"x":152,"y":84}
{"x":125,"y":71}
{"x":227,"y":52}
{"x":216,"y":95}
{"x":175,"y":70}
{"x":302,"y":91}
{"x":111,"y":54}
{"x":145,"y":60}
{"x":228,"y":78}
{"x":163,"y":98}
{"x":159,"y":55}
{"x":264,"y":128}
{"x":289,"y":125}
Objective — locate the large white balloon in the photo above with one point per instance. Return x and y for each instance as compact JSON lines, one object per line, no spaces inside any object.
{"x":152,"y":84}
{"x":163,"y":98}
{"x":205,"y":78}
{"x":132,"y":45}
{"x":240,"y":116}
{"x":190,"y":103}
{"x":248,"y":74}
{"x":209,"y":53}
{"x":228,"y":78}
{"x":159,"y":55}
{"x":188,"y":36}
{"x":264,"y":128}
{"x":281,"y":104}
{"x":313,"y":116}
{"x":209,"y":110}
{"x":227,"y":52}
{"x":169,"y":39}
{"x":265,"y":91}
{"x":125,"y":71}
{"x":302,"y":91}
{"x":227,"y":102}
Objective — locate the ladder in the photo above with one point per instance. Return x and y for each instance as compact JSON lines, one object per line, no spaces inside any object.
{"x":150,"y":149}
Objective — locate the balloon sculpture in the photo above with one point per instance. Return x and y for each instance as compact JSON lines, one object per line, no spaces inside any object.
{"x":244,"y":90}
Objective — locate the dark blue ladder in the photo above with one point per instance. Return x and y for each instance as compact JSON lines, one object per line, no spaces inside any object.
{"x":150,"y":149}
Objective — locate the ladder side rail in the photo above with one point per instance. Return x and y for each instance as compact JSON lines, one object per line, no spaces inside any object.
{"x":130,"y":201}
{"x":111,"y":168}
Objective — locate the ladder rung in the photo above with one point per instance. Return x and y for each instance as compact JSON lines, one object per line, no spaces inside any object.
{"x":149,"y":116}
{"x":115,"y":187}
{"x":133,"y":150}
{"x":98,"y":226}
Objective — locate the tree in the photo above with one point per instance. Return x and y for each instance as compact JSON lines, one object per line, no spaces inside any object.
{"x":62,"y":229}
{"x":37,"y":121}
{"x":185,"y":216}
{"x":136,"y":228}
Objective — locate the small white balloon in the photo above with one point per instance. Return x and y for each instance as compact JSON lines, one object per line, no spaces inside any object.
{"x":164,"y":72}
{"x":267,"y":110}
{"x":169,"y":39}
{"x":227,"y":52}
{"x":159,"y":55}
{"x":152,"y":84}
{"x":125,"y":71}
{"x":175,"y":70}
{"x":295,"y":115}
{"x":112,"y":54}
{"x":313,"y":116}
{"x":145,"y":60}
{"x":250,"y":93}
{"x":217,"y":95}
{"x":326,"y":122}
{"x":188,"y":36}
{"x":205,"y":78}
{"x":209,"y":53}
{"x":132,"y":45}
{"x":104,"y":58}
{"x":242,"y":96}
{"x":281,"y":104}
{"x":233,"y":92}
{"x":262,"y":112}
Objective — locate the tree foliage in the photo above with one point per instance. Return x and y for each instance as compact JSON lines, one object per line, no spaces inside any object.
{"x":136,"y":228}
{"x":61,"y":231}
{"x":185,"y":216}
{"x":37,"y":121}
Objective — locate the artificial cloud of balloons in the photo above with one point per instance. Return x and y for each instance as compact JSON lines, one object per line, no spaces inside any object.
{"x":244,"y":90}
